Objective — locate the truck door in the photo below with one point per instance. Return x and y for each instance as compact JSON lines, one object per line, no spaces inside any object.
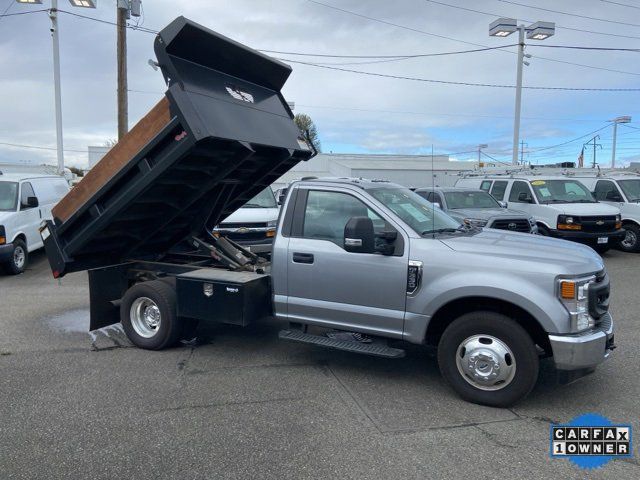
{"x":29,"y":218}
{"x":328,"y":286}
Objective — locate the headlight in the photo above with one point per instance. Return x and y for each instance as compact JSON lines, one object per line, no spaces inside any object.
{"x":569,"y":222}
{"x":271,"y":228}
{"x":574,"y":295}
{"x":474,"y":222}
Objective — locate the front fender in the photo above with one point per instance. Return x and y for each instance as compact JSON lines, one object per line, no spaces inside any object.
{"x":538,"y":301}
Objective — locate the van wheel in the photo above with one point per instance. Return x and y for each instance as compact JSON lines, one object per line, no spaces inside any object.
{"x":631,"y":241}
{"x":488,"y":359}
{"x":148,"y":315}
{"x":19,"y":258}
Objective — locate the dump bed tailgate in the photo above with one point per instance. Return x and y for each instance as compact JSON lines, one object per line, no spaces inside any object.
{"x":222,"y":133}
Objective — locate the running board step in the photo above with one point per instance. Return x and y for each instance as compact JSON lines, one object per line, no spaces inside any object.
{"x":374,"y":349}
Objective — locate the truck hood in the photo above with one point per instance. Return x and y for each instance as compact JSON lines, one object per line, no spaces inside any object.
{"x":568,"y":257}
{"x":252,"y":215}
{"x":485,"y":213}
{"x":587,"y":209}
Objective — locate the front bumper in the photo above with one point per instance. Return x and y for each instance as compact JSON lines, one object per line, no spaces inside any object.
{"x":6,"y":252}
{"x":586,"y":349}
{"x":590,"y":238}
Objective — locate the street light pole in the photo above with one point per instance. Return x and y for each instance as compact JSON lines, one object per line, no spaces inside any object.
{"x":516,"y":118}
{"x":53,"y":15}
{"x":616,"y":121}
{"x":123,"y":109}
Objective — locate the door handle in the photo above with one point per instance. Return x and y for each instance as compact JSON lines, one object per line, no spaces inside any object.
{"x":302,"y":257}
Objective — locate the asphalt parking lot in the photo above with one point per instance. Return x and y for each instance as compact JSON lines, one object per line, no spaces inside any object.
{"x":241,"y":404}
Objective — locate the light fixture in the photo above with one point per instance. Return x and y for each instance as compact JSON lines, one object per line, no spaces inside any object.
{"x":503,"y":27}
{"x":30,"y":1}
{"x":541,"y":30}
{"x":84,"y":3}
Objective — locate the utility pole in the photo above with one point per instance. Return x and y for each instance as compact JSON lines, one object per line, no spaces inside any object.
{"x":123,"y":108}
{"x":480,"y":147}
{"x":516,"y":119}
{"x":522,"y":144}
{"x":595,"y":145}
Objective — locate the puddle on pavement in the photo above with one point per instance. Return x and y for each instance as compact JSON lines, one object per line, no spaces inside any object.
{"x":77,"y":321}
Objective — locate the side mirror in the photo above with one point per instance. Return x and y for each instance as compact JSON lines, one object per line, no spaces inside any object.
{"x":524,"y":197}
{"x":32,"y":202}
{"x":503,"y":204}
{"x":437,"y":204}
{"x":359,"y":236}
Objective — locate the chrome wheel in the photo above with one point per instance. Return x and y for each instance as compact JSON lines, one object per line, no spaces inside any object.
{"x":19,"y":257}
{"x":145,"y":317}
{"x":486,"y":362}
{"x":630,"y":240}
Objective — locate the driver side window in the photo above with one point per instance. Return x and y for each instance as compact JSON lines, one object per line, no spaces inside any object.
{"x":327,"y":213}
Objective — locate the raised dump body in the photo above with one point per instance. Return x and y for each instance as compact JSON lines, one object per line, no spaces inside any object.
{"x":222,"y":133}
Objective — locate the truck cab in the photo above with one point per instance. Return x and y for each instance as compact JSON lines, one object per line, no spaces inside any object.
{"x":620,"y":190}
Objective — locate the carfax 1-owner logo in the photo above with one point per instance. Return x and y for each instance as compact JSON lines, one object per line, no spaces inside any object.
{"x":591,"y":441}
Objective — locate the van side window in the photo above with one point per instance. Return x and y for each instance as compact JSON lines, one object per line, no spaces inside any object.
{"x":436,"y":199}
{"x":606,"y":190}
{"x":498,"y":189}
{"x":517,"y":188}
{"x":485,"y":185}
{"x":25,"y":192}
{"x":327,"y":213}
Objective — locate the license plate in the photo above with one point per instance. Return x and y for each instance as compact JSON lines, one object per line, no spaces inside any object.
{"x":603,"y":240}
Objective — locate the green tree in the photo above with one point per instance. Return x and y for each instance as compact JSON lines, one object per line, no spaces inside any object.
{"x":77,"y":171}
{"x":305,"y":124}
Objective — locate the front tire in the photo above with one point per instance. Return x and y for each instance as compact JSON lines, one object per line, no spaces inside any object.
{"x":631,"y":241}
{"x":19,"y":258}
{"x":488,"y":359}
{"x":148,"y":315}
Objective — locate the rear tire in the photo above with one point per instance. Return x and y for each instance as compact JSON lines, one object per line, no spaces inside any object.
{"x":148,"y":315}
{"x":631,"y":242}
{"x":488,"y":359}
{"x":19,"y":258}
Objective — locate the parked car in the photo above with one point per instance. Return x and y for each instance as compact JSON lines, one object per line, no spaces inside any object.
{"x":621,"y":190}
{"x":562,"y":207}
{"x":476,"y":208}
{"x":252,"y":226}
{"x":25,"y":201}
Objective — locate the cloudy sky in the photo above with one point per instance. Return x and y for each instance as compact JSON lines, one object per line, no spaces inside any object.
{"x":353,"y":112}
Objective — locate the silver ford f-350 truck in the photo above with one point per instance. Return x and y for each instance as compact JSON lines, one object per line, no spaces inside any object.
{"x":370,"y":258}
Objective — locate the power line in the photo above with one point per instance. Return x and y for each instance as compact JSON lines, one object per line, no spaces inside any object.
{"x":621,"y":4}
{"x":404,"y":27}
{"x":570,"y":14}
{"x":39,"y":148}
{"x":540,"y":149}
{"x":466,"y":84}
{"x":497,"y":15}
{"x":107,"y":22}
{"x":578,"y":47}
{"x":29,"y":12}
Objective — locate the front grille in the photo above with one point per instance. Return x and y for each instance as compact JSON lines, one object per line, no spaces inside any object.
{"x":246,"y":225}
{"x":513,"y":224}
{"x":599,"y":295}
{"x":245,"y":237}
{"x":598,"y":224}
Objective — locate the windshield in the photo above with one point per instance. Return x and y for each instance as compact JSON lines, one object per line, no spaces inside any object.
{"x":264,"y":199}
{"x":8,"y":196}
{"x":561,"y":191}
{"x":631,"y":189}
{"x":414,"y":210}
{"x":470,"y":199}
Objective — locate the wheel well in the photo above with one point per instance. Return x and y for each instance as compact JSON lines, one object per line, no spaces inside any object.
{"x":630,"y":222}
{"x":22,"y":237}
{"x":456,"y":308}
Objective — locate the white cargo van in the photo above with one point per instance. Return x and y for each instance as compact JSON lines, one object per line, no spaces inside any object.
{"x":562,"y":206}
{"x":621,"y":190}
{"x":25,"y":201}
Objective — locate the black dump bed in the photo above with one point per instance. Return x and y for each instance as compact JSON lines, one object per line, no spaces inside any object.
{"x":223,"y":133}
